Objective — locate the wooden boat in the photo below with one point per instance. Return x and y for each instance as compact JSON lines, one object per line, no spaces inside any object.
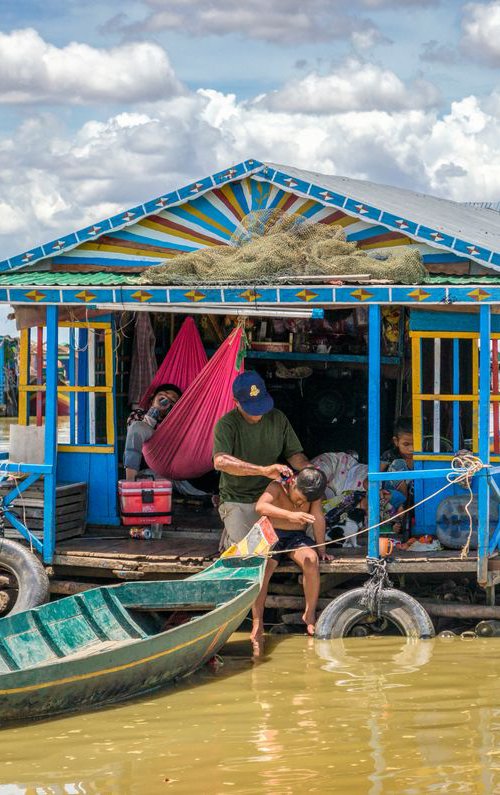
{"x":111,"y":643}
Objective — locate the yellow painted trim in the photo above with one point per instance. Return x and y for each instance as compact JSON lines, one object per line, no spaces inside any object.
{"x":462,"y":335}
{"x":108,"y":369}
{"x":448,"y":398}
{"x":23,"y":417}
{"x":84,"y":324}
{"x":88,"y":448}
{"x":64,"y":388}
{"x":432,"y":457}
{"x":109,"y":248}
{"x":94,"y":674}
{"x":399,"y":241}
{"x":416,"y":387}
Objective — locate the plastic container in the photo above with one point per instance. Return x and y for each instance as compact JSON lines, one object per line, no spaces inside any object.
{"x":145,"y":502}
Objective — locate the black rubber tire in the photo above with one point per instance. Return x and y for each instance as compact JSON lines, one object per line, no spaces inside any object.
{"x":32,"y":581}
{"x":346,"y":610}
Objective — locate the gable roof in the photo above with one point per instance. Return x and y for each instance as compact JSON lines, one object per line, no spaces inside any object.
{"x":468,"y":231}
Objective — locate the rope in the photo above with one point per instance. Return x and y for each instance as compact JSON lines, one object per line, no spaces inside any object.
{"x":463,"y":468}
{"x":373,"y":588}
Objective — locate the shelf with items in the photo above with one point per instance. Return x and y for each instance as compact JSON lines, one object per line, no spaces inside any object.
{"x":297,"y":356}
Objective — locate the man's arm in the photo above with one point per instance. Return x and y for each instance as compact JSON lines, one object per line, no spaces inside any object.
{"x":223,"y":462}
{"x":319,"y":527}
{"x":298,"y":461}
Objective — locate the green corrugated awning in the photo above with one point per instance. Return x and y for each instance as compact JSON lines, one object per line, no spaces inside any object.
{"x":49,"y":279}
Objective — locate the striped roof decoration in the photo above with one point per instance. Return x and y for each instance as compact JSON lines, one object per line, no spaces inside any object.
{"x":208,"y":212}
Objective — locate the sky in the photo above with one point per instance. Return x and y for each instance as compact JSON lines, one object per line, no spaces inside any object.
{"x":105,"y":105}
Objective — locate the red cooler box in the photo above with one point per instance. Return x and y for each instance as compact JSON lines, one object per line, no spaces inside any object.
{"x":144,"y":502}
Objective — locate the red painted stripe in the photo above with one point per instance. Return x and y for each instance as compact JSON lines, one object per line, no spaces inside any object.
{"x":289,"y":202}
{"x":180,"y":228}
{"x":220,"y":195}
{"x":336,"y":216}
{"x":383,"y":238}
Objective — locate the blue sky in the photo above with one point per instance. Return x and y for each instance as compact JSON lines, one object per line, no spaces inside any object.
{"x":107,"y":104}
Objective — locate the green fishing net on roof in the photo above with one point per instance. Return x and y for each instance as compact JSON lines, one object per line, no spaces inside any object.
{"x":271,"y":243}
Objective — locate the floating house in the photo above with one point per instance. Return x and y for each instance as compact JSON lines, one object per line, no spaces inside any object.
{"x":375,"y":348}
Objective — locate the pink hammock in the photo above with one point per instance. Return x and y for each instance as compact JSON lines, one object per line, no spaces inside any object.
{"x":181,"y":447}
{"x":184,"y":360}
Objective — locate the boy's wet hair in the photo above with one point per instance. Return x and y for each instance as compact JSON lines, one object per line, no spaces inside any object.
{"x":168,"y":388}
{"x":311,"y":482}
{"x":403,"y":425}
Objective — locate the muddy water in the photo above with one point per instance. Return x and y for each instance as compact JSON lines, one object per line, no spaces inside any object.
{"x":374,"y":715}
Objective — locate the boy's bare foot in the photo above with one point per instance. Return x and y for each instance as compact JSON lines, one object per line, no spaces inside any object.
{"x":257,"y":638}
{"x":310,"y":622}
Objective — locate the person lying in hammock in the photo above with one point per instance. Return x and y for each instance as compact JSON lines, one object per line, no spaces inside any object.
{"x":141,"y":425}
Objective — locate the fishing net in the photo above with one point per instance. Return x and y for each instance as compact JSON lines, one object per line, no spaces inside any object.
{"x":271,"y":243}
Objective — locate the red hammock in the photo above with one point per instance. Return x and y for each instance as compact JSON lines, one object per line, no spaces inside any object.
{"x":185,"y":359}
{"x":181,"y":447}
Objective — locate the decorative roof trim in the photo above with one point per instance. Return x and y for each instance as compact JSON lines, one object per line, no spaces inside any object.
{"x":348,"y":204}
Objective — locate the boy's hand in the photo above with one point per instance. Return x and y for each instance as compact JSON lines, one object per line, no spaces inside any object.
{"x":276,"y":471}
{"x":301,"y":517}
{"x":323,"y":554}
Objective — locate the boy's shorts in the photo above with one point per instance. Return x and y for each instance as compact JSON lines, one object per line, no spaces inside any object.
{"x":291,"y":540}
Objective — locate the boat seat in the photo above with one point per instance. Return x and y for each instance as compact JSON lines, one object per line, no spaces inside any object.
{"x":122,"y":615}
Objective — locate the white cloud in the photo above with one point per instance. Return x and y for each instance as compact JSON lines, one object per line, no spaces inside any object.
{"x":353,"y":86}
{"x":280,"y":21}
{"x":481,"y":31}
{"x":33,"y":70}
{"x":53,"y":181}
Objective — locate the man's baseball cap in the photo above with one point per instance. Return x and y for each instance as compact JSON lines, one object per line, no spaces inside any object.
{"x":250,"y":391}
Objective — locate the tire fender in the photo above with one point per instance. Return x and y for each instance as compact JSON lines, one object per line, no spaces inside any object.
{"x":32,"y":580}
{"x":338,"y":618}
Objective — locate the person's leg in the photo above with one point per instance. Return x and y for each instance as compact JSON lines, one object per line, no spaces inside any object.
{"x":238,"y":518}
{"x":308,"y":561}
{"x":258,"y":608}
{"x":137,"y":435}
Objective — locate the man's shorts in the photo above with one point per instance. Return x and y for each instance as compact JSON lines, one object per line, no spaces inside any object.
{"x":238,"y":518}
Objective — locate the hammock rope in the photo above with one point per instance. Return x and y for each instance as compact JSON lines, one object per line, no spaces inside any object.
{"x":181,"y":447}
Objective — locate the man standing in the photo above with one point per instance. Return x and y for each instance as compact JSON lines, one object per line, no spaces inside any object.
{"x":248,"y":441}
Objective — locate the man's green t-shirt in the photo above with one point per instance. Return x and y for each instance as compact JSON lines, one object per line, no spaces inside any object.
{"x":262,"y":443}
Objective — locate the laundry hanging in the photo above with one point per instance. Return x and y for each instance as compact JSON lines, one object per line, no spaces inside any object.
{"x":181,"y":447}
{"x":184,"y":360}
{"x":143,"y":366}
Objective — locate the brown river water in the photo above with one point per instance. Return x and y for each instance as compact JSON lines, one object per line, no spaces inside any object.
{"x":364,"y":715}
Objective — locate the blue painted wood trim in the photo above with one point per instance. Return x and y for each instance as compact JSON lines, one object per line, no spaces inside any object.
{"x":34,"y":541}
{"x":49,"y":495}
{"x":422,"y":320}
{"x":456,"y":391}
{"x":72,"y":382}
{"x":2,"y":371}
{"x":373,"y":426}
{"x":20,"y":487}
{"x":484,"y":445}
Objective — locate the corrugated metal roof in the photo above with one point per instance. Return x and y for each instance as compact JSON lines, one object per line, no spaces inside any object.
{"x":459,"y":220}
{"x":443,"y":278}
{"x":49,"y":279}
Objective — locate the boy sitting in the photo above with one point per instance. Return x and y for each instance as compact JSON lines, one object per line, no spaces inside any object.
{"x":291,"y":506}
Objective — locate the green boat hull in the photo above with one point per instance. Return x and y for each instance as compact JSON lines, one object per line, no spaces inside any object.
{"x":115,"y":642}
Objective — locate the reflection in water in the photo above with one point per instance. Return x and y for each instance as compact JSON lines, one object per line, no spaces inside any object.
{"x":370,"y":716}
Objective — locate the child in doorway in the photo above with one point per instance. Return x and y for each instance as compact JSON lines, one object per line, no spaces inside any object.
{"x":292,"y":505}
{"x":399,"y":458}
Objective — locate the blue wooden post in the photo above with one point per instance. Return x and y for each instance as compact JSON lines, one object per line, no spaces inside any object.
{"x":373,"y":426}
{"x":2,"y":371}
{"x":484,"y":443}
{"x":49,"y":492}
